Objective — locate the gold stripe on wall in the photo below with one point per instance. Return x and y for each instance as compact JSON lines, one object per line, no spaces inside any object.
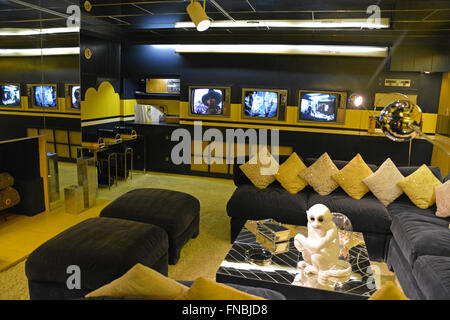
{"x":440,"y":158}
{"x":127,"y":107}
{"x":275,"y":127}
{"x":354,"y":119}
{"x":24,"y":109}
{"x":444,"y":102}
{"x":39,"y":114}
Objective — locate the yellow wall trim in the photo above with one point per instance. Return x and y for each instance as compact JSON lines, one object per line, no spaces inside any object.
{"x":39,"y":114}
{"x":101,"y":103}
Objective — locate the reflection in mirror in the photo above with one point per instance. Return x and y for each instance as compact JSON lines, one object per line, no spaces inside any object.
{"x":40,"y":126}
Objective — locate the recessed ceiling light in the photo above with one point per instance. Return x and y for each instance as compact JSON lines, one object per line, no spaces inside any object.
{"x":325,"y":50}
{"x":39,"y":52}
{"x":310,"y":24}
{"x":30,"y":32}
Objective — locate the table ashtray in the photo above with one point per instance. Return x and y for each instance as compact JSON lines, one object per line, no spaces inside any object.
{"x":258,"y":256}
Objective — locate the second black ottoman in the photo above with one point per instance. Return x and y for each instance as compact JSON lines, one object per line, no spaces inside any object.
{"x":176,"y":212}
{"x":103,"y":249}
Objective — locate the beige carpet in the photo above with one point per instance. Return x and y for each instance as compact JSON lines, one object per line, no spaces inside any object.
{"x":200,"y":257}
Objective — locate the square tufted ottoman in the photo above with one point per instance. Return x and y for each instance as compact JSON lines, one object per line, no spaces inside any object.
{"x":176,"y":212}
{"x":102,"y":249}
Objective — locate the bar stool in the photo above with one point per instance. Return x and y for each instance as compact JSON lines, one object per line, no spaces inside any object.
{"x":106,"y":162}
{"x":127,"y":151}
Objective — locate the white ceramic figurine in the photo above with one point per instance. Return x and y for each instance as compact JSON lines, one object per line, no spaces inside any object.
{"x":320,"y":250}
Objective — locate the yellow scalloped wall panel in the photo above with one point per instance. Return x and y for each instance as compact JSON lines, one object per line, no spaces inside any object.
{"x":101,"y":103}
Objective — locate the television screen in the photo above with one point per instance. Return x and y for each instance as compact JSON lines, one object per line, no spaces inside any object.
{"x":316,"y":106}
{"x":261,"y":104}
{"x":75,"y":97}
{"x":207,"y":101}
{"x":45,"y":96}
{"x":10,"y":95}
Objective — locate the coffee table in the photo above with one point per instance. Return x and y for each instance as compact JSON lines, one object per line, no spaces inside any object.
{"x":280,"y":274}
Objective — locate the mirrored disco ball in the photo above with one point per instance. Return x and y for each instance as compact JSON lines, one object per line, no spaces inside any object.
{"x":398,"y":118}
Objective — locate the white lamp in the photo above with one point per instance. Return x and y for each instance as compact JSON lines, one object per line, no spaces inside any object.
{"x":198,"y":16}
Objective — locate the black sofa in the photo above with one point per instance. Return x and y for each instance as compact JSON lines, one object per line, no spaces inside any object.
{"x":414,"y":242}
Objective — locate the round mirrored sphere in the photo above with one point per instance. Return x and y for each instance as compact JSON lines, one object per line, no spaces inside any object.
{"x":398,"y":118}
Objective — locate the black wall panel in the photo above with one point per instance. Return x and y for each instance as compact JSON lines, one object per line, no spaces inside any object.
{"x":15,"y":126}
{"x":20,"y":159}
{"x":363,"y":75}
{"x":104,"y":65}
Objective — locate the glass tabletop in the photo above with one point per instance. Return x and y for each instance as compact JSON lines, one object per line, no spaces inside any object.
{"x":364,"y":279}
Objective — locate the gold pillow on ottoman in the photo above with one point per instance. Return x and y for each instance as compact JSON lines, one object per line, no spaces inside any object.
{"x":351,"y":177}
{"x":261,"y":173}
{"x":204,"y":289}
{"x":318,"y":175}
{"x":141,"y":282}
{"x":288,"y":174}
{"x":383,"y":183}
{"x":419,"y":187}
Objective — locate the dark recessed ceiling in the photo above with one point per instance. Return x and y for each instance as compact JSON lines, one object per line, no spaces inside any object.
{"x":36,"y":14}
{"x":152,"y":21}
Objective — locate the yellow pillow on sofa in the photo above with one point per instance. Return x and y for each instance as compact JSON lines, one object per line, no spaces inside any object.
{"x":204,"y":289}
{"x":389,"y":291}
{"x":419,"y":187}
{"x":318,"y":175}
{"x":350,"y":178}
{"x":288,"y":174}
{"x":261,"y":173}
{"x":141,"y":282}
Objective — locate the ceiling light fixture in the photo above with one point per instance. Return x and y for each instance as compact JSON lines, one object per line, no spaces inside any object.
{"x":31,"y":32}
{"x":39,"y":52}
{"x":198,"y":15}
{"x":323,"y":50}
{"x":383,"y":23}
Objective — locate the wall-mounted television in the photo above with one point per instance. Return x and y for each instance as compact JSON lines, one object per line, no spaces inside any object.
{"x":209,"y":101}
{"x":10,"y":95}
{"x":73,"y":92}
{"x":264,"y":103}
{"x":322,"y":106}
{"x":43,"y":96}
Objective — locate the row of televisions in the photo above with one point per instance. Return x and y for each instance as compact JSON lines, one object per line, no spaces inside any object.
{"x":39,"y":95}
{"x":269,"y":104}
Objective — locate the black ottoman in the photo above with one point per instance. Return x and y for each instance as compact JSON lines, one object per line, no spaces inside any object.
{"x":103,"y":248}
{"x":176,"y":212}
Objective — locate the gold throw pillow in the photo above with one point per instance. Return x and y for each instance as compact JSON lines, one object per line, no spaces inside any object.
{"x":351,"y":177}
{"x":288,"y":174}
{"x":420,"y":187}
{"x":319,"y":175}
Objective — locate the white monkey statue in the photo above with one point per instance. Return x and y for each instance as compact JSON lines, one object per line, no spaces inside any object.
{"x":320,"y":250}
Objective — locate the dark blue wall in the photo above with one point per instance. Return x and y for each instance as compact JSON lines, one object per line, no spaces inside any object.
{"x":364,"y":75}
